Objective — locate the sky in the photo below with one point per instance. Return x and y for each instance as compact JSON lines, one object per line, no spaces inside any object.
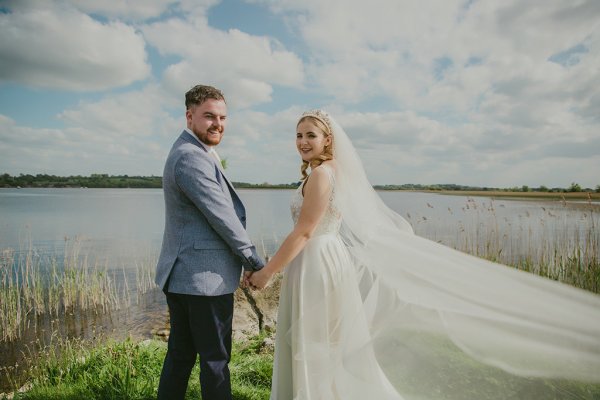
{"x":483,"y":93}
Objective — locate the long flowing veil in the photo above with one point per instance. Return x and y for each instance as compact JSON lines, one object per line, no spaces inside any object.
{"x":447,"y":325}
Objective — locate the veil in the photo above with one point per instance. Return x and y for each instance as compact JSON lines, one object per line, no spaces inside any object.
{"x":447,"y":325}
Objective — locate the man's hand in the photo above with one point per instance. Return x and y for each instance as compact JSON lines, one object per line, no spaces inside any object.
{"x":246,"y":279}
{"x":260,"y":279}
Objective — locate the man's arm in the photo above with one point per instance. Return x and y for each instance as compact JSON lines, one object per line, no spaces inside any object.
{"x":195,"y":177}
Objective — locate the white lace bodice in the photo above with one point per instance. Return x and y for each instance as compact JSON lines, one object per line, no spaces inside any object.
{"x":331,"y":221}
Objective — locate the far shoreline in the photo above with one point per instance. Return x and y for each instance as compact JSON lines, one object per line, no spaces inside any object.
{"x":505,"y":194}
{"x":571,"y":199}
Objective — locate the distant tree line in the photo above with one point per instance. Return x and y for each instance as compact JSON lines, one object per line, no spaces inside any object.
{"x":78,"y":181}
{"x":109,"y":181}
{"x":265,"y":185}
{"x":126,"y":181}
{"x":574,"y":187}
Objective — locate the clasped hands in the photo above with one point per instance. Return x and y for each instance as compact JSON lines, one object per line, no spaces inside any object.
{"x":257,"y":279}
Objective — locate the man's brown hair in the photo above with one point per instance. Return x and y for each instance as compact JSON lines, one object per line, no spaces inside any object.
{"x":199,"y":93}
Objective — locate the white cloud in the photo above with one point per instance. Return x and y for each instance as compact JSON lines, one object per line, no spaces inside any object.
{"x":142,"y":10}
{"x":124,"y":9}
{"x":470,"y":92}
{"x":472,"y":80}
{"x":52,"y":45}
{"x":360,"y":50}
{"x":260,"y":147}
{"x":138,"y":114}
{"x":245,"y":67}
{"x":119,"y":134}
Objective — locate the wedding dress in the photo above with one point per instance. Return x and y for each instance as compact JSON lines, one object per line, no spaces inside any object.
{"x":320,"y":319}
{"x":368,"y":310}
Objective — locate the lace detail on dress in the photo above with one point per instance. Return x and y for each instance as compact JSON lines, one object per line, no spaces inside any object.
{"x":331,"y":221}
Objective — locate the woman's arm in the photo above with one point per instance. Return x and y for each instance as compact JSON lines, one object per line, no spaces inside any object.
{"x":317,"y":191}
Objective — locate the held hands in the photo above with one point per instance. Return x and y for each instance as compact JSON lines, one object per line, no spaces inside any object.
{"x":259,"y":279}
{"x":245,"y":280}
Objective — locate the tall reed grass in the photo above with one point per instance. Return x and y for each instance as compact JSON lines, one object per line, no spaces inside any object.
{"x":34,"y":284}
{"x":561,"y":242}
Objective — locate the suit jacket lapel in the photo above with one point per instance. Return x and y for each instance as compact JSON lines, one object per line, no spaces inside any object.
{"x":234,"y":196}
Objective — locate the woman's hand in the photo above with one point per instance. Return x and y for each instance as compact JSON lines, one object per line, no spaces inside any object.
{"x":260,"y":279}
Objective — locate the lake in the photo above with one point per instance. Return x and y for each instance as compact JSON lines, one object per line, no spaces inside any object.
{"x":129,"y":220}
{"x":120,"y":230}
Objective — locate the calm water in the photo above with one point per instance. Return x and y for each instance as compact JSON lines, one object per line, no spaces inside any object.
{"x":123,"y":219}
{"x":114,"y":219}
{"x":123,"y":225}
{"x":128,"y":223}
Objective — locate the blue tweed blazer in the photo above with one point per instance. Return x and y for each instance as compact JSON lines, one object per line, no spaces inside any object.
{"x":205,"y":243}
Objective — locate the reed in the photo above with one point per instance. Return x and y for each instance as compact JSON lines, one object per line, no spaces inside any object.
{"x":144,"y":274}
{"x":559,"y":243}
{"x":34,"y":284}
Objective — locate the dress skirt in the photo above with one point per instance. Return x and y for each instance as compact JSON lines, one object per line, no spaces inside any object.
{"x":320,"y":323}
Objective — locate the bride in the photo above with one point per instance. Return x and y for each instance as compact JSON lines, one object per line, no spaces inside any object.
{"x":368,"y":310}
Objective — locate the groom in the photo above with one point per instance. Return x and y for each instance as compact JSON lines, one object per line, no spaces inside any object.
{"x":204,"y":247}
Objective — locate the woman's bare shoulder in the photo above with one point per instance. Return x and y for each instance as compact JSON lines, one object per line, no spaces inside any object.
{"x":321,"y":177}
{"x":329,"y":164}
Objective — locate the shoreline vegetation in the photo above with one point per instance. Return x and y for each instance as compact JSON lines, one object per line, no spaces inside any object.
{"x":34,"y":285}
{"x":106,"y":181}
{"x":130,"y":370}
{"x":37,"y":286}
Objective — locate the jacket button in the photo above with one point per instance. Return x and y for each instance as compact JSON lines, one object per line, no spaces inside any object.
{"x":243,"y":219}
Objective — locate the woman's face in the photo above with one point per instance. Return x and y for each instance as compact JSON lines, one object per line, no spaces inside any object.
{"x":310,"y":140}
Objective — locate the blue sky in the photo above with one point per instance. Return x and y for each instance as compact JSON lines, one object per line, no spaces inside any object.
{"x":435,"y":91}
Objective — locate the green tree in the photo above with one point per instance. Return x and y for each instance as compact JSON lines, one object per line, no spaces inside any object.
{"x":575,"y":187}
{"x":525,"y":188}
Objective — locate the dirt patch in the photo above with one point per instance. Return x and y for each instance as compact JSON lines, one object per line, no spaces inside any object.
{"x":254,"y":310}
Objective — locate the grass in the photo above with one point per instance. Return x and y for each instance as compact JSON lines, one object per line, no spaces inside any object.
{"x":560,"y":242}
{"x":130,"y":370}
{"x":32,"y":284}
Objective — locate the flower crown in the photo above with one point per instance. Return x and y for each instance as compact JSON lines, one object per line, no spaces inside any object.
{"x":321,"y":116}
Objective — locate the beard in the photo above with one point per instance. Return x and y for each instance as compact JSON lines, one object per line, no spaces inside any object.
{"x":211,"y":137}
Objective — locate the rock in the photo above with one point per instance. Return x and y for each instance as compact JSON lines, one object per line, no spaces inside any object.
{"x":267,"y":345}
{"x":163,"y":333}
{"x":256,"y":310}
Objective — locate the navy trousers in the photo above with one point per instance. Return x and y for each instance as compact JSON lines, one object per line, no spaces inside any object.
{"x":200,"y":325}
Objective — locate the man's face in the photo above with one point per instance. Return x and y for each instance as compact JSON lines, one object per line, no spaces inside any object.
{"x":207,"y":121}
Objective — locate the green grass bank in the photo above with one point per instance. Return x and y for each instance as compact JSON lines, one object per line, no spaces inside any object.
{"x":130,"y":370}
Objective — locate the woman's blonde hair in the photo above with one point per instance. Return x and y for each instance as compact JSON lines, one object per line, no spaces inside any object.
{"x":327,"y":151}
